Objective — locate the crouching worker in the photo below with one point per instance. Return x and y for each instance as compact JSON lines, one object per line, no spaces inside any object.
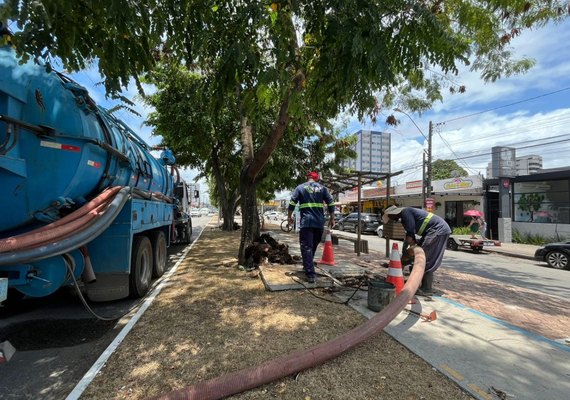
{"x":311,"y":197}
{"x":434,"y":232}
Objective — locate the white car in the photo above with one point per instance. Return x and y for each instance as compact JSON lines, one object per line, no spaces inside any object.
{"x":274,"y":215}
{"x":380,"y":230}
{"x":204,"y":212}
{"x":194,"y":212}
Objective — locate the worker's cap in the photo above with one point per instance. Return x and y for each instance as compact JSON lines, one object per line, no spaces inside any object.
{"x":392,"y":210}
{"x":313,"y":175}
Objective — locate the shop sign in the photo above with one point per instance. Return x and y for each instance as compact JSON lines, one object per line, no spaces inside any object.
{"x":414,"y":184}
{"x":430,"y":204}
{"x":458,"y":183}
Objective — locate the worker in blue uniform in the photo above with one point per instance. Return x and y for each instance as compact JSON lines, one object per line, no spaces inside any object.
{"x":434,"y":233}
{"x":311,"y":196}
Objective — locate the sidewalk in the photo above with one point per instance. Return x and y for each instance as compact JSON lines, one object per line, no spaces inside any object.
{"x":489,"y":357}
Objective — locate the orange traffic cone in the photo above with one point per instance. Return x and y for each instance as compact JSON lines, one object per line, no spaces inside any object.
{"x":395,"y":274}
{"x":328,"y":256}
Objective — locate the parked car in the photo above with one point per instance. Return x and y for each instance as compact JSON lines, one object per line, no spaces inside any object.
{"x":204,"y":211}
{"x":556,"y":255}
{"x":380,"y":230}
{"x":194,"y":212}
{"x":369,"y":222}
{"x":274,"y":215}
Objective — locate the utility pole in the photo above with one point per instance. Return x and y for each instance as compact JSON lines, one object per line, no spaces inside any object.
{"x":428,"y":166}
{"x":424,"y":181}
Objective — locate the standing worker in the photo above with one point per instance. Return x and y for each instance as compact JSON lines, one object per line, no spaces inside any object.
{"x":434,"y":232}
{"x":311,"y":196}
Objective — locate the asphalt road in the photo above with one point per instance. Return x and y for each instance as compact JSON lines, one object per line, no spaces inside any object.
{"x":57,"y":340}
{"x":520,"y":272}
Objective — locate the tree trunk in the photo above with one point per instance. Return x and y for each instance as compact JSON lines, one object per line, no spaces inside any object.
{"x":228,"y":212}
{"x":253,"y":163}
{"x":227,"y":199}
{"x":250,"y":217}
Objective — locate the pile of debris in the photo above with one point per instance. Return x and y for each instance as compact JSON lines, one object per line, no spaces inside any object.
{"x":267,"y":249}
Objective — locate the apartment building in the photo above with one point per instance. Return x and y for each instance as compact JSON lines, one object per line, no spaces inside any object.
{"x":524,"y":165}
{"x":373,"y":152}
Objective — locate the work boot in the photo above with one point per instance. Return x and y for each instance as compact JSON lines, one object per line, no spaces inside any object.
{"x":427,"y":281}
{"x":420,"y":292}
{"x":311,"y":279}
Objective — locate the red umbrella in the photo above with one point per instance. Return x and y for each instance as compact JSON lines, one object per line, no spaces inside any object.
{"x":473,"y":213}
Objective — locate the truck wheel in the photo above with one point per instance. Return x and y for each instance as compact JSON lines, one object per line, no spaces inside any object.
{"x":452,"y":244}
{"x":188,"y":232}
{"x":141,"y":267}
{"x":158,"y":240}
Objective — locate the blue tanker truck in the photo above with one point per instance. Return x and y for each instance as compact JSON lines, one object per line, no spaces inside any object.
{"x":84,"y":202}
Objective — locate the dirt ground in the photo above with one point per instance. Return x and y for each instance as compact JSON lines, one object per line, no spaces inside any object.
{"x":212,"y":319}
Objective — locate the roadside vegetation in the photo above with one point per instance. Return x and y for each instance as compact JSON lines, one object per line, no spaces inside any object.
{"x":530,"y":238}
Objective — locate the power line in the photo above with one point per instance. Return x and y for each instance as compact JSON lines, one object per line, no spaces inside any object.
{"x":517,"y":148}
{"x":518,"y":129}
{"x":530,"y":141}
{"x":503,"y":106}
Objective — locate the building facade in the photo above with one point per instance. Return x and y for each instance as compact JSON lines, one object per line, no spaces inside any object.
{"x":524,"y":165}
{"x":452,"y":198}
{"x":372,"y":152}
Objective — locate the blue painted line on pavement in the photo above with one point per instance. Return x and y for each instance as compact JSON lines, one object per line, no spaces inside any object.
{"x":506,"y":324}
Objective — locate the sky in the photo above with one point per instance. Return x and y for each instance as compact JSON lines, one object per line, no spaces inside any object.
{"x":525,"y":112}
{"x":530,"y":112}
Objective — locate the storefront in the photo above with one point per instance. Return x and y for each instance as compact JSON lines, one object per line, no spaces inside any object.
{"x":541,"y":204}
{"x":451,"y":198}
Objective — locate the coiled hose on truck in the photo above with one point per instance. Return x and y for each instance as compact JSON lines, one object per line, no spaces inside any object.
{"x":68,"y":233}
{"x":270,"y":371}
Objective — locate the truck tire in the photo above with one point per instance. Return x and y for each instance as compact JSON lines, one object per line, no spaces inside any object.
{"x":159,"y":255}
{"x":141,"y":267}
{"x":452,"y":244}
{"x":188,"y":232}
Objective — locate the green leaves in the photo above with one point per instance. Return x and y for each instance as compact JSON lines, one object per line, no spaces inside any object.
{"x":442,"y":169}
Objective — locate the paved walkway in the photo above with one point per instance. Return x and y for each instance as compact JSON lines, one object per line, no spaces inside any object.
{"x":478,"y":339}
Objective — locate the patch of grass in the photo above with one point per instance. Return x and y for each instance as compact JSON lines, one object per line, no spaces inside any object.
{"x":461,"y":230}
{"x":531,"y":238}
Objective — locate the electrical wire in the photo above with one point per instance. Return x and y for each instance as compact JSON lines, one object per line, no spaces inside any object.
{"x":503,"y":106}
{"x":517,"y":129}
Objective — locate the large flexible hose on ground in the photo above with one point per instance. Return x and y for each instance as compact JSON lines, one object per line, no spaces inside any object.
{"x":269,"y":371}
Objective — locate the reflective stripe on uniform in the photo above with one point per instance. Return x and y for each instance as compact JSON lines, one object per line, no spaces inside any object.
{"x":311,"y":205}
{"x":424,"y":224}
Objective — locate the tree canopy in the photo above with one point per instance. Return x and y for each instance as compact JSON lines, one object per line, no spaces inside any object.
{"x":445,"y":169}
{"x":315,"y":57}
{"x":356,"y":54}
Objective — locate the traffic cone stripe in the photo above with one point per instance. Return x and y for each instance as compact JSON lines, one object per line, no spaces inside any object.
{"x":328,"y":256}
{"x":395,"y":274}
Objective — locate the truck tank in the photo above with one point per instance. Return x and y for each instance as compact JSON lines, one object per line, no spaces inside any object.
{"x":58,"y":149}
{"x":64,"y":162}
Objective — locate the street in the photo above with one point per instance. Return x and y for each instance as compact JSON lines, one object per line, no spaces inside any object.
{"x":528,"y":274}
{"x":57,"y":340}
